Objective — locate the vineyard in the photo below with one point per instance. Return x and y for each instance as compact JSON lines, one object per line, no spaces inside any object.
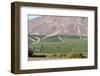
{"x":60,"y":47}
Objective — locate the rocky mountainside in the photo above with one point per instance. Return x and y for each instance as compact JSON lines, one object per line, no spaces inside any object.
{"x":58,"y":25}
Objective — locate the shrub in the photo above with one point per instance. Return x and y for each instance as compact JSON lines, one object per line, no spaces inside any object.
{"x":54,"y":56}
{"x":75,"y":54}
{"x":30,"y":52}
{"x":62,"y":55}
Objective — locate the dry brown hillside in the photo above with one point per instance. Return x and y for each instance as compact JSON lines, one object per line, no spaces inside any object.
{"x":62,"y":25}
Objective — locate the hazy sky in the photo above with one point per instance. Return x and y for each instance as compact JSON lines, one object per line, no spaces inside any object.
{"x":32,"y":17}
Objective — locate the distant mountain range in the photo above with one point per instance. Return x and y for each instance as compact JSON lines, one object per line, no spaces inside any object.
{"x":58,"y":25}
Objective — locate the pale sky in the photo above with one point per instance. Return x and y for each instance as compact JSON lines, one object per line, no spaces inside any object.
{"x":32,"y":17}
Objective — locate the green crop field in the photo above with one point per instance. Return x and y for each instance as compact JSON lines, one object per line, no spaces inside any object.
{"x":68,"y":47}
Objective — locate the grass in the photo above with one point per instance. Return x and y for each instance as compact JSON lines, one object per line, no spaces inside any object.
{"x":53,"y":47}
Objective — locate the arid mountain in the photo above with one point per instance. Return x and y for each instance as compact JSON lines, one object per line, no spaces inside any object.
{"x":58,"y":25}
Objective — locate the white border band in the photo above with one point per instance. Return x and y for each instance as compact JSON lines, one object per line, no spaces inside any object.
{"x":25,"y":64}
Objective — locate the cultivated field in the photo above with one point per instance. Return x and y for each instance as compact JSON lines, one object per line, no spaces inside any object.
{"x":59,"y":46}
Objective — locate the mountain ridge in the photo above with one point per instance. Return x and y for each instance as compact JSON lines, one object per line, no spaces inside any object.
{"x":58,"y":25}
